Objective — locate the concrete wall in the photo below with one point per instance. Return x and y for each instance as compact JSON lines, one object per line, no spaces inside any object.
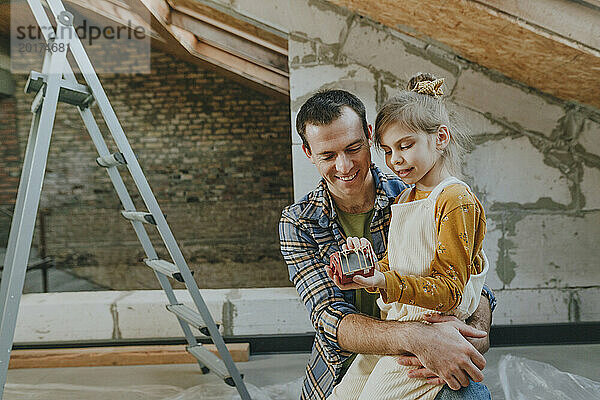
{"x":535,"y":165}
{"x":138,"y":315}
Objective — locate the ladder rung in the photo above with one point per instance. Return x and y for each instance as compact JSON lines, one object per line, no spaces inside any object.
{"x":190,"y":316}
{"x":140,"y":216}
{"x":165,"y":268}
{"x":70,"y":92}
{"x":212,"y":361}
{"x":111,"y":160}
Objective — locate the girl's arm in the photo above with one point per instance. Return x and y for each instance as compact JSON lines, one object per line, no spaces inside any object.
{"x":461,"y":228}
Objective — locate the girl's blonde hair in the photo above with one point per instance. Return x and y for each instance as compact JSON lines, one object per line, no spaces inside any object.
{"x":420,"y":112}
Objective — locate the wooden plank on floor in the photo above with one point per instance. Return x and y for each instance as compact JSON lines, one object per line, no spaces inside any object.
{"x":119,"y":355}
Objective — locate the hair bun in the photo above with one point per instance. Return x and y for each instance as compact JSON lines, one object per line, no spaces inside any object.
{"x":420,"y":77}
{"x":426,"y":83}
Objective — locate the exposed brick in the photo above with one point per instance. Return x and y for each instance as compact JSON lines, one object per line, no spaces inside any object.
{"x":9,"y":152}
{"x":216,"y":155}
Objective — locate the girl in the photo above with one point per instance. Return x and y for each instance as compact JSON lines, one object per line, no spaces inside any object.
{"x":435,"y":260}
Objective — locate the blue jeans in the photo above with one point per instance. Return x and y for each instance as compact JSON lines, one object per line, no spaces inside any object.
{"x":475,"y":391}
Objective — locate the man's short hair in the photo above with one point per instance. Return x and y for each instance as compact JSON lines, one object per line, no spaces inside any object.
{"x":326,"y":106}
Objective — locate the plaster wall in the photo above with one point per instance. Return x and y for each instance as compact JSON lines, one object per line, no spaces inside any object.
{"x":535,"y":163}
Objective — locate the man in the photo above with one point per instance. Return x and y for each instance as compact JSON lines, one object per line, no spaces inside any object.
{"x":353,"y":199}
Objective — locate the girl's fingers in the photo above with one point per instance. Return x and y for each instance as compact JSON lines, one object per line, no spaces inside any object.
{"x":437,"y":317}
{"x":421,"y":373}
{"x":409,"y":361}
{"x":435,"y":381}
{"x":355,"y":243}
{"x":362,"y":281}
{"x":349,"y":243}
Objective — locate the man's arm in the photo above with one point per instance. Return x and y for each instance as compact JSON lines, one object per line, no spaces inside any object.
{"x":441,"y":347}
{"x":481,"y":319}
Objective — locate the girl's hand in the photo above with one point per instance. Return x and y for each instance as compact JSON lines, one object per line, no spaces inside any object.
{"x":360,"y":243}
{"x":377,"y":280}
{"x":355,"y":243}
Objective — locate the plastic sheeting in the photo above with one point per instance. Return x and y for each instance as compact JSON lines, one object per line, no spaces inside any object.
{"x":524,"y":379}
{"x":519,"y":379}
{"x":207,"y":391}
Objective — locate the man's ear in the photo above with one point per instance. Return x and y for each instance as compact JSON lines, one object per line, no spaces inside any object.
{"x":370,"y":130}
{"x":442,"y":138}
{"x":306,"y":151}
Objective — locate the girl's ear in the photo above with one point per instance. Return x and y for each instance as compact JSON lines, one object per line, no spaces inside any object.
{"x":442,"y":138}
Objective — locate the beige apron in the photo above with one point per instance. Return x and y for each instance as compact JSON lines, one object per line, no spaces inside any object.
{"x":412,"y":243}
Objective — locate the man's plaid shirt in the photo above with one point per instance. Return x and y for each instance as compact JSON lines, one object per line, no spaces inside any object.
{"x":309,"y":233}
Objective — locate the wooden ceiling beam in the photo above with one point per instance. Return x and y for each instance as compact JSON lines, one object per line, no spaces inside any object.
{"x":119,"y":13}
{"x":226,"y":23}
{"x":185,"y":45}
{"x":496,"y":40}
{"x":233,"y":21}
{"x":234,"y":44}
{"x":230,"y":62}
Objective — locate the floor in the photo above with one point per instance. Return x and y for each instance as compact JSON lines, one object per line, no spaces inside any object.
{"x":275,"y":377}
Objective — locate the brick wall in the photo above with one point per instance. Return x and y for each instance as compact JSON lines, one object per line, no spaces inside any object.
{"x":10,"y":164}
{"x":217,"y":156}
{"x":9,"y":152}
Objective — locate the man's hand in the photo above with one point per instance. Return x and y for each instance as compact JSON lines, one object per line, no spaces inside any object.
{"x":481,"y":319}
{"x":339,"y":284}
{"x":444,"y":354}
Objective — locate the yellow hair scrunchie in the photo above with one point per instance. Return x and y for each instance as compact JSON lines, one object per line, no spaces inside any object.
{"x":432,"y":88}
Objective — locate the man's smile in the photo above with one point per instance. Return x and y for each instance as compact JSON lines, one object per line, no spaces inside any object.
{"x":347,"y":178}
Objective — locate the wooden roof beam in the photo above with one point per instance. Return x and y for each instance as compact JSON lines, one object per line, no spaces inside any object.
{"x":120,"y":13}
{"x":258,"y":75}
{"x":226,"y":18}
{"x":232,"y":43}
{"x":276,"y":42}
{"x":497,"y":40}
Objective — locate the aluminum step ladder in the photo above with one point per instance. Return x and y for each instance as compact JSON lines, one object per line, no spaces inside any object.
{"x":57,"y":83}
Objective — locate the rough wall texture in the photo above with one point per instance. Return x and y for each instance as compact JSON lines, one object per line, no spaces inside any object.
{"x":535,"y":164}
{"x":216,"y":155}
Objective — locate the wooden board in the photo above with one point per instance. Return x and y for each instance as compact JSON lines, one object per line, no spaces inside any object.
{"x":120,"y":355}
{"x":521,"y":51}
